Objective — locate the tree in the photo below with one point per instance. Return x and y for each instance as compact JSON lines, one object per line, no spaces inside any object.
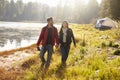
{"x":12,"y":10}
{"x":59,"y":11}
{"x":92,"y":11}
{"x":78,"y":12}
{"x":20,"y":8}
{"x":105,"y":9}
{"x":115,"y":9}
{"x":2,"y":9}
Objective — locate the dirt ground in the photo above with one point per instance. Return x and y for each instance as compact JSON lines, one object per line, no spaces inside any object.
{"x":10,"y":63}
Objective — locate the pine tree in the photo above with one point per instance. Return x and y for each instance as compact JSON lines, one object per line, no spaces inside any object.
{"x":115,"y":9}
{"x":2,"y":9}
{"x":105,"y":9}
{"x":92,"y":10}
{"x":20,"y":8}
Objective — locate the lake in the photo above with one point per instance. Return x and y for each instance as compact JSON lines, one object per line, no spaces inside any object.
{"x":19,"y":34}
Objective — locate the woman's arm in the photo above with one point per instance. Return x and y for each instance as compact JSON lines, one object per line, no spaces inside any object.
{"x":73,"y":38}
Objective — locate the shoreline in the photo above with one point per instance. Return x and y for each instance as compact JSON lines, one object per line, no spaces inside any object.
{"x":12,"y":51}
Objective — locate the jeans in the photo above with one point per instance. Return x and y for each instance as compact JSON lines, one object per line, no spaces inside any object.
{"x":65,"y":51}
{"x":49,"y":49}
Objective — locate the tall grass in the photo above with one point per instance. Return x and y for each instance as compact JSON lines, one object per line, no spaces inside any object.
{"x":89,"y":61}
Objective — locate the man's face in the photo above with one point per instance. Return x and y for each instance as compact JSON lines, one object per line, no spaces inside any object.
{"x":51,"y":22}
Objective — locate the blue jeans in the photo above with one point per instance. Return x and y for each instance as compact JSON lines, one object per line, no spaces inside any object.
{"x":65,"y":51}
{"x":49,"y":49}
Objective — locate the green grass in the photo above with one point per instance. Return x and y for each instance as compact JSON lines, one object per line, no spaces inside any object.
{"x":89,"y":61}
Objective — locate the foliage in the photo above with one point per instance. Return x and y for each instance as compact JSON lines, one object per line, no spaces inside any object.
{"x":117,"y":52}
{"x":110,"y":8}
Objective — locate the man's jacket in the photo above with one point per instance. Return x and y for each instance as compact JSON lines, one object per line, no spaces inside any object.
{"x":44,"y":34}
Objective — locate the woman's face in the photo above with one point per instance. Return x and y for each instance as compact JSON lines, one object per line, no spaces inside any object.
{"x":65,"y":25}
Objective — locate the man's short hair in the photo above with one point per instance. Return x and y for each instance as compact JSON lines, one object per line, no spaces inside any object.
{"x":48,"y":19}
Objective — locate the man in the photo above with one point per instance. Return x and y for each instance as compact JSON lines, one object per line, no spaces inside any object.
{"x":48,"y":37}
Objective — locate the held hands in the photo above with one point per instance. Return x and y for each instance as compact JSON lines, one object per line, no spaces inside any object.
{"x":56,"y":46}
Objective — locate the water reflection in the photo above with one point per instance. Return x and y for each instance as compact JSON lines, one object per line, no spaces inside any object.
{"x":11,"y":38}
{"x":16,"y":43}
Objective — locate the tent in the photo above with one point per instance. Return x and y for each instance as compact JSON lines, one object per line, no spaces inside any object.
{"x":106,"y":23}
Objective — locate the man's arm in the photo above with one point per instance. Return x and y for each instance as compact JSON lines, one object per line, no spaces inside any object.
{"x":56,"y":37}
{"x":40,"y":38}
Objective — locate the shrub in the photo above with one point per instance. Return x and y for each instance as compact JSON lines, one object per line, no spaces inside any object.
{"x":83,"y":43}
{"x":117,"y":52}
{"x":110,"y":44}
{"x":103,"y":45}
{"x":115,"y":45}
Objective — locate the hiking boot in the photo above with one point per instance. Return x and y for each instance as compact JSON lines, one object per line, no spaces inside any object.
{"x":46,"y":67}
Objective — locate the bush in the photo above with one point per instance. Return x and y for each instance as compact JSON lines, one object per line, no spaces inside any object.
{"x":117,"y":52}
{"x":110,"y":44}
{"x":83,"y":51}
{"x":103,"y":45}
{"x":83,"y":43}
{"x":115,"y":45}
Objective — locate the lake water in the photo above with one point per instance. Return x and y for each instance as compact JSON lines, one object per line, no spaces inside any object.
{"x":19,"y":34}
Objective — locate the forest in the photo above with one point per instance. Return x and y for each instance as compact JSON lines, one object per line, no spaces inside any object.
{"x":79,"y":13}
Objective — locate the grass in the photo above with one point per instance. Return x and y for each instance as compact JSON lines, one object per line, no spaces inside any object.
{"x":2,"y":53}
{"x":89,"y":61}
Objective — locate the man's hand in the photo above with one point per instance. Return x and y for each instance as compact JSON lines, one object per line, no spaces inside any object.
{"x":38,"y":48}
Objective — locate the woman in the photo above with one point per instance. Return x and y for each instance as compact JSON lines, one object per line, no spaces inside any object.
{"x":65,"y":37}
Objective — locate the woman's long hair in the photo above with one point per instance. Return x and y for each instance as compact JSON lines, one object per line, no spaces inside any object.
{"x":62,"y":25}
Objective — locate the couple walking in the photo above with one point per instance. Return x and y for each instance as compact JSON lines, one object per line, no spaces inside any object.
{"x":49,"y":37}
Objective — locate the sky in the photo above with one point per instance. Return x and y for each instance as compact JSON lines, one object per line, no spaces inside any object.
{"x":55,"y":2}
